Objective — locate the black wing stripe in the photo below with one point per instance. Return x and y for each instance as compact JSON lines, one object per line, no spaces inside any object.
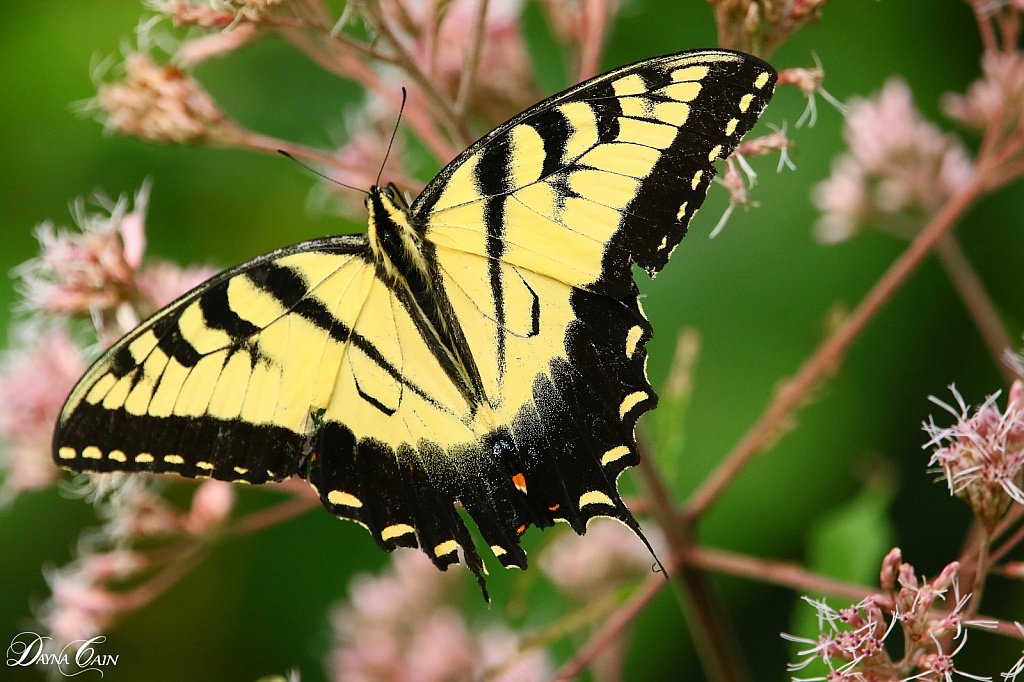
{"x":492,"y":177}
{"x":607,"y":113}
{"x":556,"y":129}
{"x":290,"y":289}
{"x":172,"y":343}
{"x":218,"y":314}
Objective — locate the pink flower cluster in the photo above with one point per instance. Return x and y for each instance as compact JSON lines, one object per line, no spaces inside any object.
{"x":162,"y":104}
{"x":438,"y":34}
{"x":590,"y":566}
{"x":92,"y":268}
{"x":96,"y":272}
{"x":997,"y":99}
{"x":899,"y":170}
{"x":87,"y":594}
{"x":852,"y":640}
{"x":400,"y":627}
{"x":981,"y":456}
{"x":34,"y":384}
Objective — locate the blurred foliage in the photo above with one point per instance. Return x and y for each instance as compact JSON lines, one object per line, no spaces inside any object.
{"x":758,"y":294}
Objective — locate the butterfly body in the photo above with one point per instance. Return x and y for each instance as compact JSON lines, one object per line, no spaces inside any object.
{"x":484,"y":345}
{"x":406,"y":262}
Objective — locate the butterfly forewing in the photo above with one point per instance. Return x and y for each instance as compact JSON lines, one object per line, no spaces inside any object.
{"x":210,"y":385}
{"x":605,"y":174}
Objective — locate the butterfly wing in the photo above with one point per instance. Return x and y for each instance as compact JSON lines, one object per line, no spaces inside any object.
{"x":301,"y":362}
{"x":564,"y":373}
{"x":535,"y":229}
{"x":603,"y":175}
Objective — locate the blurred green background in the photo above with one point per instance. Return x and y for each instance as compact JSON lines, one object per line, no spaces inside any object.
{"x":758,"y":294}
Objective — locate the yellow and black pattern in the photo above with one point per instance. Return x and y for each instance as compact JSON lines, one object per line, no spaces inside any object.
{"x":484,"y":346}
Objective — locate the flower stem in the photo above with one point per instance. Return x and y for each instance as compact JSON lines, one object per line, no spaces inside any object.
{"x":273,"y":515}
{"x":273,"y":145}
{"x":1013,"y":540}
{"x":440,"y":102}
{"x":714,"y":637}
{"x":782,"y":573}
{"x":612,"y":628}
{"x":471,"y":61}
{"x":145,"y":593}
{"x":972,"y":291}
{"x":595,"y":20}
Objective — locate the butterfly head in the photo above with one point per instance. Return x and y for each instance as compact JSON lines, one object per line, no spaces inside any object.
{"x":388,"y":193}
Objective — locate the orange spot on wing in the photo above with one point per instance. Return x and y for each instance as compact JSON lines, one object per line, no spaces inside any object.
{"x":520,"y":481}
{"x":521,"y":529}
{"x":555,"y":508}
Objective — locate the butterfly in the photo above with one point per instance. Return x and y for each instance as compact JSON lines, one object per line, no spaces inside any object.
{"x":484,"y":345}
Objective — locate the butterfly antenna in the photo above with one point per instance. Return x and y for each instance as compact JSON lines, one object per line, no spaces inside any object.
{"x":393,"y":133}
{"x":314,"y":171}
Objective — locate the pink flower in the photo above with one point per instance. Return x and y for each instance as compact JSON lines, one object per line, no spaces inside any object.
{"x":161,"y":282}
{"x":399,"y":628}
{"x":981,"y":456}
{"x":111,"y":576}
{"x":160,"y":103}
{"x":503,"y":85}
{"x":843,"y":200}
{"x":204,"y":15}
{"x":440,"y":648}
{"x":412,"y":584}
{"x":34,"y":383}
{"x":90,"y":269}
{"x":1018,"y":667}
{"x":132,"y":508}
{"x":78,"y":608}
{"x":890,"y":568}
{"x":503,"y":660}
{"x":114,"y":565}
{"x":211,"y":505}
{"x":97,"y":270}
{"x":738,"y":196}
{"x":851,"y":641}
{"x":810,"y":83}
{"x":851,"y":637}
{"x":899,"y":168}
{"x":997,"y":98}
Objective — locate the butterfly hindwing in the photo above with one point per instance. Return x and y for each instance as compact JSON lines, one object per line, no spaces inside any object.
{"x":565,"y":368}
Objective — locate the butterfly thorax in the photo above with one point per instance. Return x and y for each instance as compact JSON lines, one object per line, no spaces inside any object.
{"x":399,"y":251}
{"x":395,"y":242}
